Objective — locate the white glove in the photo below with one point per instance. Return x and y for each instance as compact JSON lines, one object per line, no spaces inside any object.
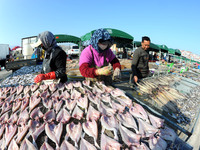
{"x":117,"y":74}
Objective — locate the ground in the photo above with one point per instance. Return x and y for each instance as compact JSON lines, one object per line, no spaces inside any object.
{"x":4,"y":73}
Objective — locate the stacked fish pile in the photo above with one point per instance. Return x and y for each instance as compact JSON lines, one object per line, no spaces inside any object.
{"x":191,"y":75}
{"x":72,"y":64}
{"x":27,"y":70}
{"x":183,"y":108}
{"x":23,"y":76}
{"x":125,"y":63}
{"x":77,"y":115}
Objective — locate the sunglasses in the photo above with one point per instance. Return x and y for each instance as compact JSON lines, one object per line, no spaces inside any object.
{"x":104,"y":42}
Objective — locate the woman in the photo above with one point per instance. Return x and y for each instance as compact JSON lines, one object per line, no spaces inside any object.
{"x":54,"y":63}
{"x":95,"y":58}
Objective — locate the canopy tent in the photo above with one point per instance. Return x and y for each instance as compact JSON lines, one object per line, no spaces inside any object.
{"x":174,"y":51}
{"x":153,"y":47}
{"x":61,"y":38}
{"x":177,"y":52}
{"x":163,"y":48}
{"x":171,"y":51}
{"x":117,"y":35}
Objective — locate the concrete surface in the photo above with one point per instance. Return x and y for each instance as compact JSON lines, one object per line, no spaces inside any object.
{"x":194,"y":140}
{"x":4,"y":73}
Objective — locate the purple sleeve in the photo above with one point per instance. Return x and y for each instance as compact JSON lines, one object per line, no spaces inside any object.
{"x":110,"y":55}
{"x":85,"y":56}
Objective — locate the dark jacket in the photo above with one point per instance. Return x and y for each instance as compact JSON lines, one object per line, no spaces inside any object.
{"x":55,"y":56}
{"x":140,"y":66}
{"x":58,"y":63}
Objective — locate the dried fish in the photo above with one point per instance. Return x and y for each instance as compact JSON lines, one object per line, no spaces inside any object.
{"x":54,"y":112}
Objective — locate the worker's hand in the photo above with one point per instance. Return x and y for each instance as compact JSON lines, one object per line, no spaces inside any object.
{"x":135,"y":79}
{"x":104,"y":71}
{"x":116,"y":74}
{"x":40,"y":77}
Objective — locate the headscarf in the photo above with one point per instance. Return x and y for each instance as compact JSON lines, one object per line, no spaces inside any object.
{"x":97,"y":35}
{"x":48,"y":40}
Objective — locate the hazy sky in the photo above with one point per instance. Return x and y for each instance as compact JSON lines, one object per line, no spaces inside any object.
{"x":174,"y":23}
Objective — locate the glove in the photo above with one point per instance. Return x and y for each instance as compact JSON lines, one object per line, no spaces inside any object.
{"x":117,"y":74}
{"x":40,"y":77}
{"x":104,"y":71}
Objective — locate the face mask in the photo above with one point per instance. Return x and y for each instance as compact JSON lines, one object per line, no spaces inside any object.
{"x":102,"y":46}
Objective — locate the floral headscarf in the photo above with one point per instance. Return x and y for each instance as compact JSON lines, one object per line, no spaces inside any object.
{"x":102,"y":34}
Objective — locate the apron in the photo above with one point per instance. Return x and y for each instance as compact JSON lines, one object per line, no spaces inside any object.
{"x":107,"y":79}
{"x":46,"y":64}
{"x":47,"y":68}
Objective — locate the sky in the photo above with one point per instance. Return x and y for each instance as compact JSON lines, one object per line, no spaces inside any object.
{"x":174,"y":23}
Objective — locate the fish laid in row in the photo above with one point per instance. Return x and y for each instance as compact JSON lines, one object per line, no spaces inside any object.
{"x":77,"y":115}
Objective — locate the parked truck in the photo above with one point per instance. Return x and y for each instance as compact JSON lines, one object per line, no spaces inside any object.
{"x":27,"y":52}
{"x":4,"y":49}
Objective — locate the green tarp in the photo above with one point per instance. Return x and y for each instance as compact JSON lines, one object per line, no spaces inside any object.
{"x":163,"y":48}
{"x":87,"y":36}
{"x":61,"y":38}
{"x":177,"y":52}
{"x":171,"y":51}
{"x":153,"y":46}
{"x":174,"y":51}
{"x":113,"y":32}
